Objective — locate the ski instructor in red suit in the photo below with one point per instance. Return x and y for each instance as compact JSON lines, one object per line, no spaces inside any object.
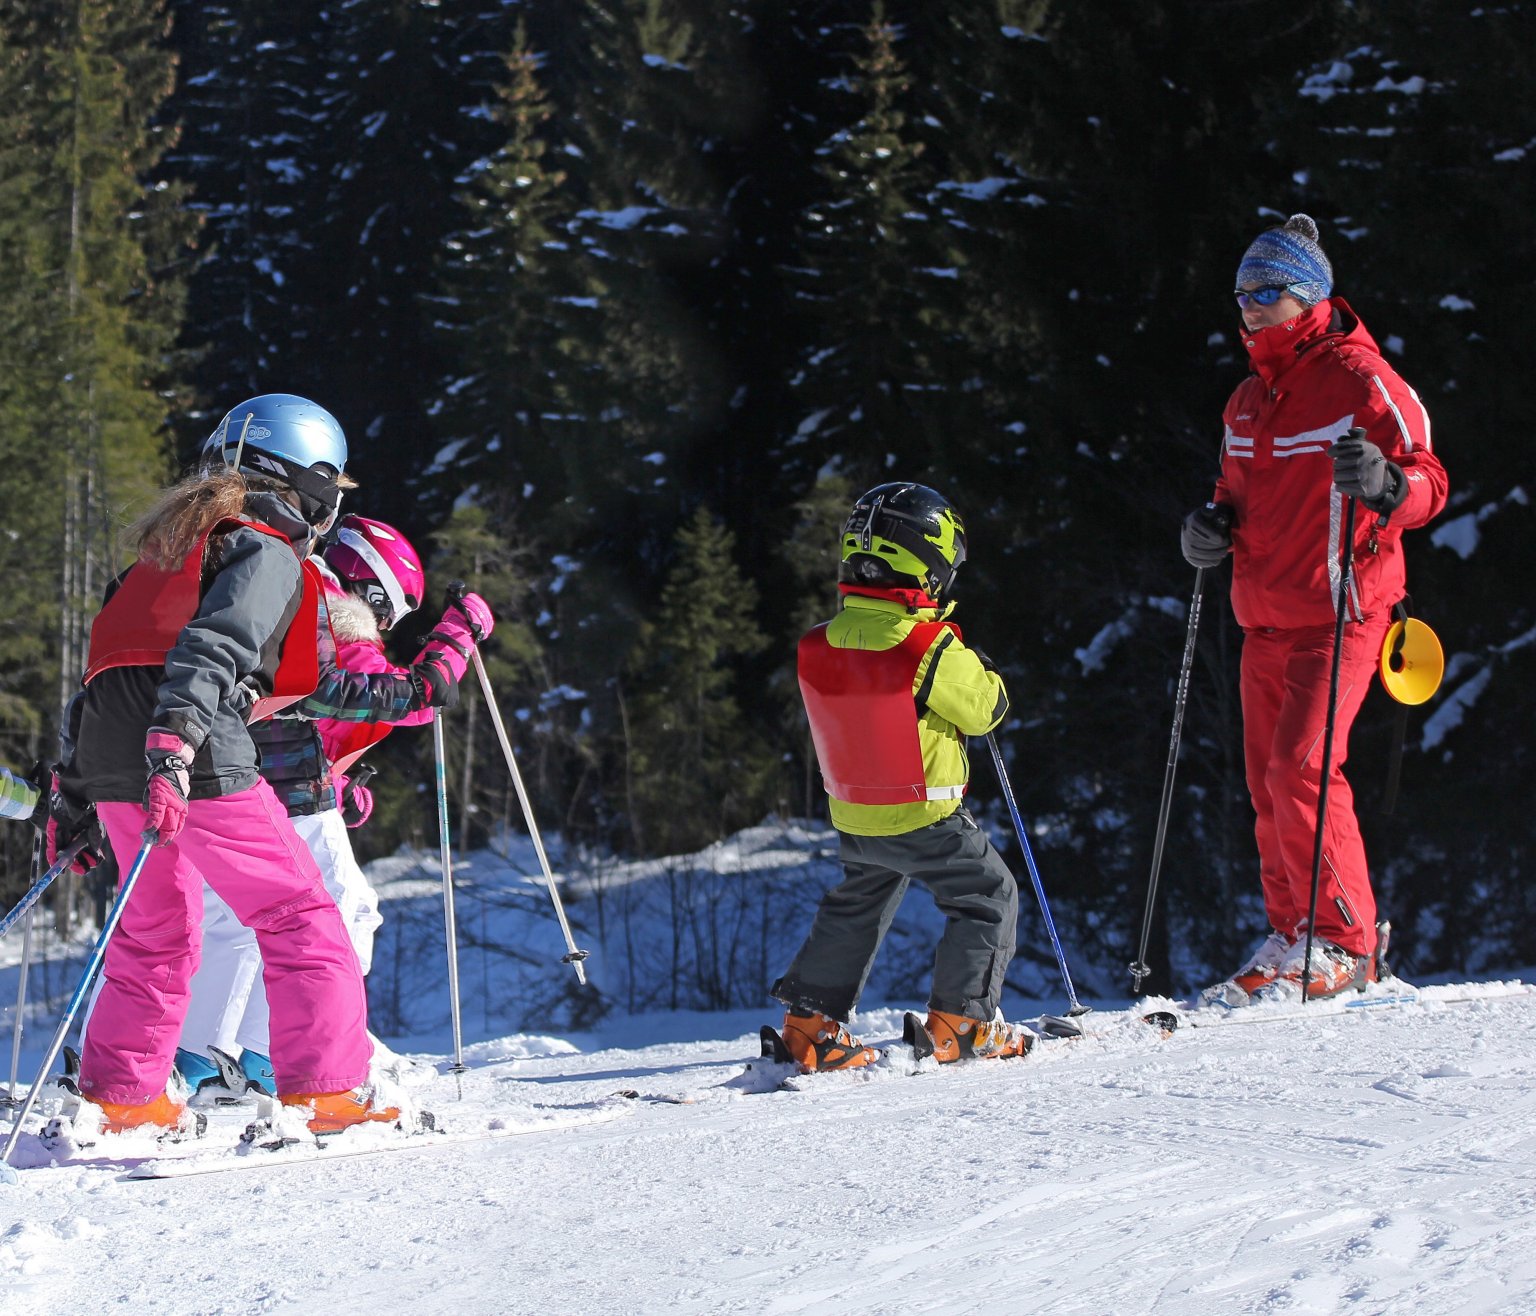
{"x":1288,"y":463}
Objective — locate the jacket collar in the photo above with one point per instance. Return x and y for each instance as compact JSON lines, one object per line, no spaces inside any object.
{"x":1275,"y":349}
{"x":272,"y":510}
{"x":911,"y":601}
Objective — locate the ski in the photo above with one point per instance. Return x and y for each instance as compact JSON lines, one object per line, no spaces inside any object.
{"x":1391,"y":994}
{"x":351,"y":1145}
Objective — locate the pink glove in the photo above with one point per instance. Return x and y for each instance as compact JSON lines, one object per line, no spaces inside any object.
{"x":439,"y":667}
{"x":481,"y":621}
{"x":468,"y":619}
{"x":169,"y":759}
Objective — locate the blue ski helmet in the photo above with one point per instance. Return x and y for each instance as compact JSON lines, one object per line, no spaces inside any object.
{"x":283,"y":437}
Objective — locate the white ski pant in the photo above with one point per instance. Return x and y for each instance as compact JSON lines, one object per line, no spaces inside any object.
{"x":229,"y":1000}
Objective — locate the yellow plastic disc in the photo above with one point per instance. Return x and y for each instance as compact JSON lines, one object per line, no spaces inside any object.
{"x":1412,"y":662}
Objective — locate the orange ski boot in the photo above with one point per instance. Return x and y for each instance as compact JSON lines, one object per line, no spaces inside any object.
{"x":1334,"y":971}
{"x":956,"y":1037}
{"x":164,"y":1115}
{"x":817,"y":1041}
{"x":331,"y":1112}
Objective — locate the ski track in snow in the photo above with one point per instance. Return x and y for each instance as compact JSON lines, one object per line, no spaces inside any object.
{"x":1345,"y":1164}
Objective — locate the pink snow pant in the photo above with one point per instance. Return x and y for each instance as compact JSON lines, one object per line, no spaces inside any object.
{"x":246,"y":849}
{"x":1285,"y":676}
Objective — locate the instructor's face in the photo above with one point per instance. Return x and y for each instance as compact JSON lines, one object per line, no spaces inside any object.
{"x":1260,"y":317}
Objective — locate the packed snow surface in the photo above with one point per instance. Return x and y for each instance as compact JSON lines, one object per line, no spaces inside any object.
{"x":1380,"y":1160}
{"x":1372,"y":1162}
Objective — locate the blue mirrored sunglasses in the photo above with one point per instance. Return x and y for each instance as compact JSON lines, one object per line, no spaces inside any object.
{"x":1266,"y":296}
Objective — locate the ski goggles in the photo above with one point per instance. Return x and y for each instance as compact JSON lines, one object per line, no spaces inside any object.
{"x":1265,"y":296}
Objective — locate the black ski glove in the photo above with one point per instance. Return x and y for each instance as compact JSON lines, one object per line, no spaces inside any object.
{"x":67,"y":821}
{"x":1361,"y":471}
{"x":1206,"y":538}
{"x":436,"y":684}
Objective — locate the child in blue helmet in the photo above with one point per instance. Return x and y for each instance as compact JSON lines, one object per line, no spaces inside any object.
{"x":213,"y":627}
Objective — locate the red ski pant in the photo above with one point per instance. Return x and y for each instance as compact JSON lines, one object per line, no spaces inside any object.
{"x":245,"y":848}
{"x":1285,"y":678}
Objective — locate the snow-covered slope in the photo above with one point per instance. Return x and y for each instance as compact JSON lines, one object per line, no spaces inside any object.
{"x":1361,"y":1163}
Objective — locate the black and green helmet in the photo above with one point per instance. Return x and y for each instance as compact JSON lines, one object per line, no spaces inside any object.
{"x":900,"y":535}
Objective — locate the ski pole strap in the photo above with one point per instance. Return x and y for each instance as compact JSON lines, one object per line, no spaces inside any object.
{"x":451,"y":643}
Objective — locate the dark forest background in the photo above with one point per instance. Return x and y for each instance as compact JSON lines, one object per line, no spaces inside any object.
{"x":620,"y":302}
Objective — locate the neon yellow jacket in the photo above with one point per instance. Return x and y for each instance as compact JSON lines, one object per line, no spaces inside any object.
{"x":962,"y":699}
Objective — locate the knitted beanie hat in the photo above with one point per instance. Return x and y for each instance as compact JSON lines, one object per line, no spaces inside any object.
{"x":1289,"y":256}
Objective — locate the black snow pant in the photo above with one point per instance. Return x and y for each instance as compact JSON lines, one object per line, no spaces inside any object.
{"x":968,"y":881}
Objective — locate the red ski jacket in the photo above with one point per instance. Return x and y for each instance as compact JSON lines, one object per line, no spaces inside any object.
{"x":1314,"y":378}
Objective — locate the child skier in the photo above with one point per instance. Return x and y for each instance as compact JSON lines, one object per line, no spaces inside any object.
{"x":890,"y":690}
{"x":373,"y":578}
{"x":213,"y":626}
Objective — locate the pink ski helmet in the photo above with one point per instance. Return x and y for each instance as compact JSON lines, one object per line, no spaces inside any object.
{"x":379,"y":565}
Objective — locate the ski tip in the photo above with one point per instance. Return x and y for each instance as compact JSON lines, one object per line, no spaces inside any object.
{"x":1167,"y":1020}
{"x":1055,"y":1025}
{"x":915,"y":1034}
{"x":773,"y":1047}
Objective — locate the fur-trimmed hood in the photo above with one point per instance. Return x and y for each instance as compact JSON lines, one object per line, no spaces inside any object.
{"x":352,"y":620}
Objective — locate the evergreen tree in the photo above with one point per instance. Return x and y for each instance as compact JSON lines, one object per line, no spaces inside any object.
{"x":1130,"y":159}
{"x":516,"y":317}
{"x":249,"y":97}
{"x":1418,"y":166}
{"x":808,"y":557}
{"x":865,"y":267}
{"x":92,"y":304}
{"x":696,"y":768}
{"x":89,"y":308}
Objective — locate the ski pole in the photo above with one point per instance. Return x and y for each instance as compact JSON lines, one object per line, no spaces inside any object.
{"x":1034,"y":875}
{"x":449,"y":921}
{"x":1139,"y":967}
{"x":35,"y":891}
{"x":574,"y":957}
{"x":21,"y":982}
{"x":1346,"y":558}
{"x":98,"y":953}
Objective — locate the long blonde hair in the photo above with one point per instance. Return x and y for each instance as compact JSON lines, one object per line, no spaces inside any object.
{"x":184,"y":514}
